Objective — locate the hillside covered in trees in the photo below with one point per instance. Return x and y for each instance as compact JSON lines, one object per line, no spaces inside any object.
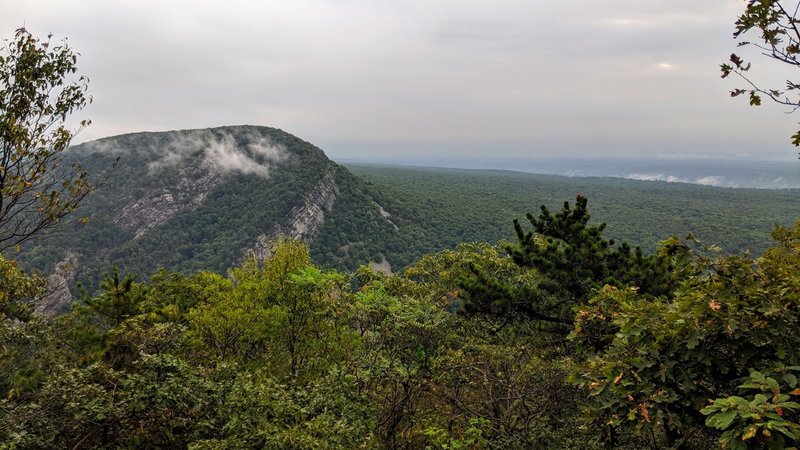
{"x":438,"y":208}
{"x":205,"y":199}
{"x":560,"y":340}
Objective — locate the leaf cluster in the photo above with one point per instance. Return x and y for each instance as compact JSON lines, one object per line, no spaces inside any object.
{"x":37,"y":94}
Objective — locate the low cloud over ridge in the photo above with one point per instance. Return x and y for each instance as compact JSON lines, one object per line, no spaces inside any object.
{"x":248,"y":153}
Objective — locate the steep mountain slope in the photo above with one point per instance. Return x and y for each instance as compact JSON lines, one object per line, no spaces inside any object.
{"x":204,"y":199}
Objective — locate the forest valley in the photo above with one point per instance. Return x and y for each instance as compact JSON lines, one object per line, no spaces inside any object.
{"x":562,"y":339}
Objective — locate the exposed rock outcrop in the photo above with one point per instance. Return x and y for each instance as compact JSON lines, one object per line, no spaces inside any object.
{"x":307,"y":218}
{"x":385,"y":214}
{"x":156,"y":208}
{"x":384,"y":266}
{"x":57,"y":294}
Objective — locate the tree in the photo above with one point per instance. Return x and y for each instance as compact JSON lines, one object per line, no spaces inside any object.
{"x":778,"y":30}
{"x":571,"y":259}
{"x":37,"y":94}
{"x":18,"y":365}
{"x":725,"y":336}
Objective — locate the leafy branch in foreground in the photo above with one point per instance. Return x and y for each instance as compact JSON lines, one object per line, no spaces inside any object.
{"x":36,"y":97}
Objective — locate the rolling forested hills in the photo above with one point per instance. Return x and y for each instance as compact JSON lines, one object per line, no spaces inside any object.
{"x":438,"y":208}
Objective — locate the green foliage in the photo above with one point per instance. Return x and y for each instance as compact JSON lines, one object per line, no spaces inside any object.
{"x":158,"y":404}
{"x":36,"y":97}
{"x":18,"y":290}
{"x":169,"y":296}
{"x":447,"y":380}
{"x":766,"y":420}
{"x":444,"y":274}
{"x":577,"y":258}
{"x":116,"y":302}
{"x":662,"y":359}
{"x":196,"y":361}
{"x":473,"y":437}
{"x":437,"y":209}
{"x":571,"y":260}
{"x":286,"y":354}
{"x":260,"y":413}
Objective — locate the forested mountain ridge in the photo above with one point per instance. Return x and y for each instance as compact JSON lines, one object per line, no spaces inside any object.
{"x":204,"y":199}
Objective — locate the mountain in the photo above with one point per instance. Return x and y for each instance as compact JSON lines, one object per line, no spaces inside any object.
{"x":205,"y":199}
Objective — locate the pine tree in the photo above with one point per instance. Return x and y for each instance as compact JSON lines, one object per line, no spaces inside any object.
{"x":572,"y":260}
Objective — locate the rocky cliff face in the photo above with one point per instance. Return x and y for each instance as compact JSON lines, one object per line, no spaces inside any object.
{"x":57,"y":294}
{"x":194,"y":200}
{"x":388,"y":217}
{"x":306,"y":219}
{"x":154,"y":209}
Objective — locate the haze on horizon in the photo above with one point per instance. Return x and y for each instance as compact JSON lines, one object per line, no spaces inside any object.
{"x":395,"y":79}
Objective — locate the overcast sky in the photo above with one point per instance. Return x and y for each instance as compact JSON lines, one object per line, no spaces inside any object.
{"x":404,"y":78}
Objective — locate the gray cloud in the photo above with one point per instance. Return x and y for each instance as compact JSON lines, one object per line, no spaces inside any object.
{"x":406,"y":77}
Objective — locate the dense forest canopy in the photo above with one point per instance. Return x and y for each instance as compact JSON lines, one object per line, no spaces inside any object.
{"x":516,"y":347}
{"x":439,"y":208}
{"x":561,"y":337}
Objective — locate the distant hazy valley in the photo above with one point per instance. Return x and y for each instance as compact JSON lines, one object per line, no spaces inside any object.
{"x":735,"y":173}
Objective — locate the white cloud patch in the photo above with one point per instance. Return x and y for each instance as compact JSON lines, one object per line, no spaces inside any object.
{"x":710,"y":180}
{"x":713,"y":180}
{"x":656,"y":177}
{"x":245,"y":153}
{"x":248,"y":154}
{"x":720,"y":181}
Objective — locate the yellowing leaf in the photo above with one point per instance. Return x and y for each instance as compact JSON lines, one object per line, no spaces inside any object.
{"x":645,"y":413}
